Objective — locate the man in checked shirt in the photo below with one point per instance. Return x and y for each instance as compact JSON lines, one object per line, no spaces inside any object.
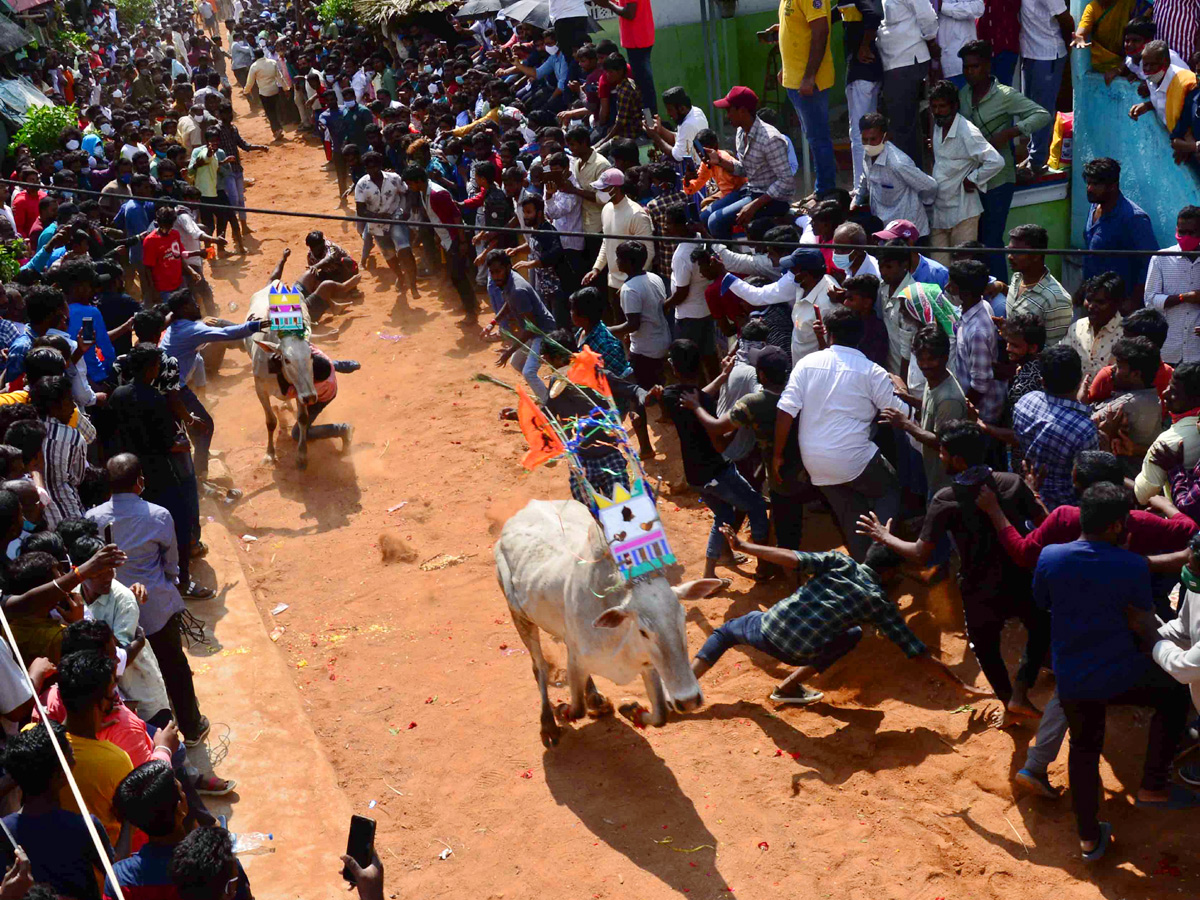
{"x":762,"y":156}
{"x":822,"y":621}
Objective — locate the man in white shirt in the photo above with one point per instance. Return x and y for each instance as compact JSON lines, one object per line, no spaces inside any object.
{"x":364,"y":91}
{"x":689,"y":121}
{"x":956,"y":27}
{"x":570,"y":21}
{"x":892,"y":185}
{"x":963,"y":162}
{"x":620,"y":216}
{"x":1173,"y":287}
{"x":1046,"y":29}
{"x":855,"y":262}
{"x":265,"y":77}
{"x":379,"y":195}
{"x":693,"y":318}
{"x":805,"y":285}
{"x":906,"y":41}
{"x":837,"y":395}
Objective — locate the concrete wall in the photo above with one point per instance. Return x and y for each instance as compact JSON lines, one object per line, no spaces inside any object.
{"x":1149,"y":176}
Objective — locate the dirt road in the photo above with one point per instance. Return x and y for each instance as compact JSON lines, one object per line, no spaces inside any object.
{"x":421,"y":693}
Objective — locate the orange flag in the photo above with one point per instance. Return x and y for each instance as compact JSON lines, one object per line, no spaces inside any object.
{"x":543,"y":442}
{"x":587,"y":370}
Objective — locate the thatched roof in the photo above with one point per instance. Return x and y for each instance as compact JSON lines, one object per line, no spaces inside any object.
{"x":379,"y":12}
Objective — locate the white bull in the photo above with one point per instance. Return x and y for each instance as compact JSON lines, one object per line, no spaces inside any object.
{"x":295,"y":353}
{"x":558,"y":576}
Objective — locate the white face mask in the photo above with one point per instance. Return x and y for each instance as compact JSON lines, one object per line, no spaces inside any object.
{"x":1157,"y":77}
{"x":873,"y":149}
{"x":842,"y":261}
{"x":603,"y":196}
{"x":72,"y":145}
{"x":106,"y":129}
{"x":552,"y":49}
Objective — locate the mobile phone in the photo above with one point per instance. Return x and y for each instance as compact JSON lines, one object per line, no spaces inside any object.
{"x":89,"y":330}
{"x":108,"y":533}
{"x":360,"y":844}
{"x":647,"y":117}
{"x":701,"y":150}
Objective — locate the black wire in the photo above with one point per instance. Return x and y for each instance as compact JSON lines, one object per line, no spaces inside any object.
{"x":498,"y":229}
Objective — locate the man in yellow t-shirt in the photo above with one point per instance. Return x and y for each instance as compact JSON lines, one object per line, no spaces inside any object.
{"x":803,"y":35}
{"x":87,"y":683}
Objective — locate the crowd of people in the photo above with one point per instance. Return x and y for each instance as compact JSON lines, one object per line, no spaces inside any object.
{"x":956,"y":410}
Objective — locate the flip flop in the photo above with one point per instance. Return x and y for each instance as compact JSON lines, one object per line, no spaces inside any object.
{"x":1101,"y":847}
{"x":1179,"y":798}
{"x":1037,"y":783}
{"x":809,"y":698}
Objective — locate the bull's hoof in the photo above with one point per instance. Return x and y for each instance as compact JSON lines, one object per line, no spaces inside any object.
{"x":268,"y":459}
{"x":635,"y":713}
{"x":302,"y":463}
{"x":563,"y":713}
{"x":598,"y":706}
{"x":551,"y":735}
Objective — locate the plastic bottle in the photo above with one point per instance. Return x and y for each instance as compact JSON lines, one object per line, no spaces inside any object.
{"x":253,"y":843}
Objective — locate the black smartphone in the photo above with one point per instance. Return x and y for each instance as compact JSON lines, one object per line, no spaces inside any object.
{"x":360,"y":844}
{"x":108,"y":533}
{"x":89,"y":330}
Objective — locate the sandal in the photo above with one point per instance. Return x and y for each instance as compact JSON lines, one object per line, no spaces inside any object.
{"x":1101,"y":846}
{"x":808,"y":698}
{"x":212,"y":786}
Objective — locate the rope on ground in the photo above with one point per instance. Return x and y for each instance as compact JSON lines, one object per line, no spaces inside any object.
{"x":653,"y":238}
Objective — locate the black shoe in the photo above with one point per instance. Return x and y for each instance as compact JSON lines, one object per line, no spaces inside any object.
{"x":346,"y":365}
{"x":195,"y":591}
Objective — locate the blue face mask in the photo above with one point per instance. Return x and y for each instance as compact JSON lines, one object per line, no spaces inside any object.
{"x":28,"y":526}
{"x":124,"y":179}
{"x":459,"y":78}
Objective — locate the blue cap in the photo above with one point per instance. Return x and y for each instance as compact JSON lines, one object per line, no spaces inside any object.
{"x":806,"y":259}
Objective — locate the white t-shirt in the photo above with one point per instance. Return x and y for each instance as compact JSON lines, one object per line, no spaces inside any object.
{"x":189,"y":237}
{"x":1041,"y":37}
{"x":645,"y":295}
{"x":14,"y":689}
{"x":686,"y":272}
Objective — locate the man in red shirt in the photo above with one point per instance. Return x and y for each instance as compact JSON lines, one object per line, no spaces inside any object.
{"x":635,"y":20}
{"x":163,"y":253}
{"x":25,"y":202}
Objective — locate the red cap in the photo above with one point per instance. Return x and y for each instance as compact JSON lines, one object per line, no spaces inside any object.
{"x":738,"y":98}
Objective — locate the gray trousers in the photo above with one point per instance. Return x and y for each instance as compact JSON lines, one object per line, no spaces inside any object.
{"x":875,"y":489}
{"x":901,"y":103}
{"x":1052,"y":729}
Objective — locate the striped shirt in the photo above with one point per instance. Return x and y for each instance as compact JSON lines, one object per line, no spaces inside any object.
{"x":763,"y":159}
{"x":1047,"y":300}
{"x":1175,"y":22}
{"x":66,"y":458}
{"x":1167,"y":276}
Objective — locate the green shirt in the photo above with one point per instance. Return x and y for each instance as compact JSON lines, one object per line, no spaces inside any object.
{"x":204,"y":168}
{"x":1047,"y":300}
{"x":1002,"y":107}
{"x":939,"y":405}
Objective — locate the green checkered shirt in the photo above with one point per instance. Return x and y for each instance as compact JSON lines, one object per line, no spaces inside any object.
{"x":839,"y":595}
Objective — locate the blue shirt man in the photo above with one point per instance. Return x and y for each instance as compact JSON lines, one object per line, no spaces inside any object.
{"x":135,"y":217}
{"x":99,"y":358}
{"x":1123,"y":226}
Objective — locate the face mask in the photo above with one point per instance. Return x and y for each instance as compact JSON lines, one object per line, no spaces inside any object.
{"x":136,"y":124}
{"x":603,"y":196}
{"x":433,"y":89}
{"x":459,"y":79}
{"x":552,"y":49}
{"x":1157,"y":77}
{"x":30,"y":527}
{"x":873,"y":150}
{"x":160,"y":154}
{"x":842,"y":261}
{"x":452,"y":158}
{"x":944,"y":120}
{"x":124,"y":179}
{"x":428,"y":70}
{"x":1190,"y":580}
{"x":106,"y":129}
{"x":1188,"y":243}
{"x":350,"y":104}
{"x":72,"y":145}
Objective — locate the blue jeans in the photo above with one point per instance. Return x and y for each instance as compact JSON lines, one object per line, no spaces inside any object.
{"x":235,"y":187}
{"x":1041,"y":79}
{"x":814,"y":119}
{"x":993,"y":222}
{"x":201,"y":435}
{"x":1004,"y":66}
{"x":959,"y":81}
{"x":528,"y":364}
{"x":643,"y":75}
{"x":720,"y":222}
{"x":728,"y":494}
{"x":747,"y":630}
